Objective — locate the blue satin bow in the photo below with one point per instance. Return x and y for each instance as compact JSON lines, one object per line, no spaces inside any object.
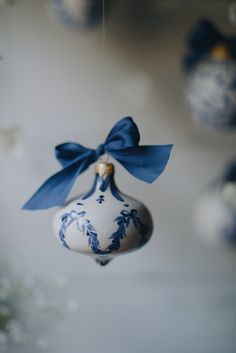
{"x":144,"y":162}
{"x":201,"y":40}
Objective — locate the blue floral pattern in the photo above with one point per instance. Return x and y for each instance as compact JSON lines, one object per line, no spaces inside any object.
{"x":67,"y":219}
{"x":215,"y":105}
{"x":100,"y":199}
{"x":123,"y":222}
{"x":84,"y":225}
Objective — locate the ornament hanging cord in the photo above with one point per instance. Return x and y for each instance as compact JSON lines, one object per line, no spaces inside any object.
{"x":103,"y":66}
{"x":104,"y":74}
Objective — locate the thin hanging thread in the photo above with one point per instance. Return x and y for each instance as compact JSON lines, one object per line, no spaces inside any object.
{"x":104,"y":74}
{"x":103,"y":65}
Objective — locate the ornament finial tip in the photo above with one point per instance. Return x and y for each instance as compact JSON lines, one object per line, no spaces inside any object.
{"x":102,"y":262}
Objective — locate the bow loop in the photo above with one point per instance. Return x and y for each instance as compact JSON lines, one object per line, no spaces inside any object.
{"x":67,"y":153}
{"x":204,"y":36}
{"x":123,"y":135}
{"x":201,"y":41}
{"x":143,"y":162}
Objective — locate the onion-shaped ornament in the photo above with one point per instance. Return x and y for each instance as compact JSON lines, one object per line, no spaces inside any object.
{"x":215,"y":211}
{"x":211,"y":82}
{"x":103,"y":222}
{"x":78,"y":14}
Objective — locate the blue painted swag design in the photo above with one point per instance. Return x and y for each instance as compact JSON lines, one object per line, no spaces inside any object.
{"x":123,"y":222}
{"x":84,"y":225}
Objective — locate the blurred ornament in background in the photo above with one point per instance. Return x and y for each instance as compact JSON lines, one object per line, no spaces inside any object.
{"x":215,"y":211}
{"x":30,"y":308}
{"x":78,"y":14}
{"x":210,"y":62}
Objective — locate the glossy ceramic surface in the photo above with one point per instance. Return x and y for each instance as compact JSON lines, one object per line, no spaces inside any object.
{"x":103,"y":222}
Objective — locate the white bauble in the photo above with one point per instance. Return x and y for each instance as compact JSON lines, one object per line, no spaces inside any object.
{"x":211,"y":93}
{"x":215,"y":217}
{"x":104,"y":222}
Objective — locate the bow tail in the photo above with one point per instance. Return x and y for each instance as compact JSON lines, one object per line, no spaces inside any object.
{"x":55,"y":190}
{"x":147,"y":163}
{"x":200,"y":42}
{"x":204,"y":36}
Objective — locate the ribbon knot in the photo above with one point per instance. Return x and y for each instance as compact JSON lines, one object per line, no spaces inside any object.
{"x":122,"y":143}
{"x":101,"y":150}
{"x":201,"y":41}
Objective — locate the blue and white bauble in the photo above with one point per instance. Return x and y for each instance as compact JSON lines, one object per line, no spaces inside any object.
{"x":211,"y":93}
{"x":103,"y":222}
{"x":80,"y":14}
{"x":215,"y":215}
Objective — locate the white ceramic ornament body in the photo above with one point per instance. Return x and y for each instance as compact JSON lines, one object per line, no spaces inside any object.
{"x":215,"y":217}
{"x":211,"y":93}
{"x":103,"y":222}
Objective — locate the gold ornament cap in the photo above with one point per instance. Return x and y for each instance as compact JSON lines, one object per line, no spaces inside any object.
{"x":104,"y":168}
{"x":220,"y":52}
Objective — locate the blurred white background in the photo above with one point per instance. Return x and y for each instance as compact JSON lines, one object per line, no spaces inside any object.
{"x":176,"y":295}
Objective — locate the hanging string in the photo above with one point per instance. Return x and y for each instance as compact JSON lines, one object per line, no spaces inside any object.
{"x":104,"y":74}
{"x":103,"y":65}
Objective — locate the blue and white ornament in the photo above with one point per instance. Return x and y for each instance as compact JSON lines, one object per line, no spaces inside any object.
{"x":211,"y":83}
{"x":215,"y":211}
{"x":103,"y":222}
{"x":78,"y":14}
